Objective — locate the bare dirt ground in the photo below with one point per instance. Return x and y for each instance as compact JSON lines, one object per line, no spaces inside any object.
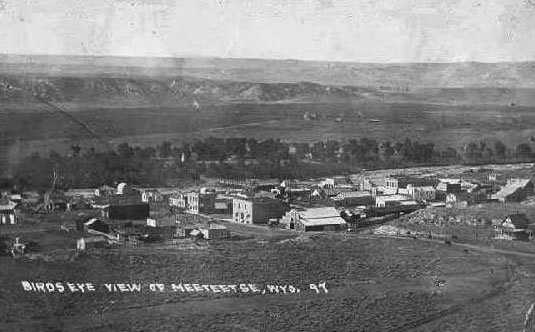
{"x":374,"y":284}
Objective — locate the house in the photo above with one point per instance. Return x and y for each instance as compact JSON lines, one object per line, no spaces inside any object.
{"x":394,"y":182}
{"x":513,"y":227}
{"x":192,"y":199}
{"x":365,"y":184}
{"x":425,"y":193}
{"x":179,"y":200}
{"x":8,"y":212}
{"x":150,"y":195}
{"x":257,"y":210}
{"x":214,"y":231}
{"x":515,"y":190}
{"x":314,"y":219}
{"x":105,"y":191}
{"x":397,"y":184}
{"x":159,"y":194}
{"x":200,"y":202}
{"x":449,"y":186}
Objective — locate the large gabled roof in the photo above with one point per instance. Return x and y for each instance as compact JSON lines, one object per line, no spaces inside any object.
{"x":519,"y":220}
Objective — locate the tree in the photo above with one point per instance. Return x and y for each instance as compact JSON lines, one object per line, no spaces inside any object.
{"x":164,"y":149}
{"x":523,"y":150}
{"x":125,"y":150}
{"x":500,"y":149}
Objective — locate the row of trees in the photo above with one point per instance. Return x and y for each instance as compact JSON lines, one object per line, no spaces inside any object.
{"x":242,"y":158}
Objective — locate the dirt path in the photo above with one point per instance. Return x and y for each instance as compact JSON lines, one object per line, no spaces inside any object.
{"x":475,"y":247}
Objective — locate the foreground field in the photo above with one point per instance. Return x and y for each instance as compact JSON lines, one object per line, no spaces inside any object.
{"x":374,"y":284}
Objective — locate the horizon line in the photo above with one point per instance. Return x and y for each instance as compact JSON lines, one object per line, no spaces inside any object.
{"x":207,"y":57}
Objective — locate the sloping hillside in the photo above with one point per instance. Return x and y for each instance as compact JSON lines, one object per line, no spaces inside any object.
{"x":413,"y":75}
{"x":88,"y":91}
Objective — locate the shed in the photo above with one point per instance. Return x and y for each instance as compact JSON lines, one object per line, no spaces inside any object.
{"x":215,"y":232}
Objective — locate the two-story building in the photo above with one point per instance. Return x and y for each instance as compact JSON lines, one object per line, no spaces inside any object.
{"x":257,"y":210}
{"x":8,"y":213}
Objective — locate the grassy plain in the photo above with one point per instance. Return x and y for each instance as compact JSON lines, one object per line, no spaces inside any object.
{"x":374,"y":284}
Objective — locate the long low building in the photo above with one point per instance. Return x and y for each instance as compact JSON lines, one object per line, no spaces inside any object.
{"x":314,"y":219}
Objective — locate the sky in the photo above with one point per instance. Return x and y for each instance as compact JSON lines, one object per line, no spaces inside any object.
{"x":333,"y":30}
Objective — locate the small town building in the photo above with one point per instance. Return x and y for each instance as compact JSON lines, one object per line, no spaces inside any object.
{"x":425,"y":193}
{"x":314,"y":219}
{"x":257,"y":210}
{"x":105,"y":191}
{"x":366,"y":184}
{"x":179,"y":200}
{"x":200,"y":202}
{"x":8,"y":212}
{"x":449,"y":186}
{"x":150,"y":195}
{"x":214,"y":231}
{"x":513,"y":227}
{"x":385,"y":201}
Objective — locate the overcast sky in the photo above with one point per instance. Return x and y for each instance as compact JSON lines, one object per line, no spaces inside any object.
{"x":358,"y":30}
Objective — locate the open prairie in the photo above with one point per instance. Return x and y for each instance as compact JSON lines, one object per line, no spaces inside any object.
{"x":373,"y":283}
{"x":41,"y":130}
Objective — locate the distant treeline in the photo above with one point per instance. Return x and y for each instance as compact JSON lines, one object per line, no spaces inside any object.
{"x":244,"y":158}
